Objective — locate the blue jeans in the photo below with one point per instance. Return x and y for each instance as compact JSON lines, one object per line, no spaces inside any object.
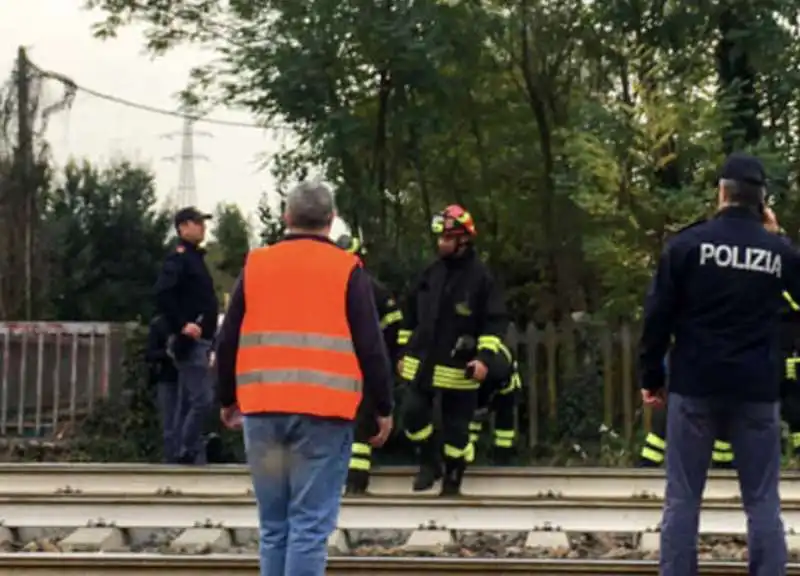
{"x":194,"y":398}
{"x":298,"y":464}
{"x":754,"y":431}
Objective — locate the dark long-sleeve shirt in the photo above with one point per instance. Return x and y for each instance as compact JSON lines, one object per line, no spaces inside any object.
{"x":365,"y":331}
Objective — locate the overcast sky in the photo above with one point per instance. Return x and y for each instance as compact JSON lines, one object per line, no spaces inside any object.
{"x":57,"y":35}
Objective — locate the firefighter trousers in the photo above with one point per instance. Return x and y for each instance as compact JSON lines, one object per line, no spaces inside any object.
{"x":790,"y":411}
{"x":452,"y":441}
{"x":655,"y":445}
{"x":504,"y":433}
{"x":366,"y":426}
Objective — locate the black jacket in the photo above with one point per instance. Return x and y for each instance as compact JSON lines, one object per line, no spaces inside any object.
{"x":455,"y":313}
{"x":718,"y":289}
{"x":390,"y":317}
{"x":160,"y":366}
{"x":185,"y":293}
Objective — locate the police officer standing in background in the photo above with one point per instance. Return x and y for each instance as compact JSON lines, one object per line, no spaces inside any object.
{"x":390,"y":317}
{"x":186,"y":298}
{"x":717,"y":290}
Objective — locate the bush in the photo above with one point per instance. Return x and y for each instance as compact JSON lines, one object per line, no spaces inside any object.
{"x":126,"y":428}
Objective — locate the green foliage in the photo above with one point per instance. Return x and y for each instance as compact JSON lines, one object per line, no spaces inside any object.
{"x":106,"y":243}
{"x":272,"y":225}
{"x":580,"y":135}
{"x":125,"y":428}
{"x":232,"y":235}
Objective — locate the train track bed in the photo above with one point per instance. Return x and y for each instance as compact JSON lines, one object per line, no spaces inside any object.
{"x":597,"y":546}
{"x":145,"y":565}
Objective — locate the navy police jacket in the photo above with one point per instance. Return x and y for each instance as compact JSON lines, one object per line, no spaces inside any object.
{"x":718,"y":291}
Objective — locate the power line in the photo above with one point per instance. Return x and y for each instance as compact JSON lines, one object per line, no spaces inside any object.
{"x":145,"y":107}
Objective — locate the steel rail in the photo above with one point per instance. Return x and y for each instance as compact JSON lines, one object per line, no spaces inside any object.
{"x":232,"y":480}
{"x":48,"y":564}
{"x":238,"y":512}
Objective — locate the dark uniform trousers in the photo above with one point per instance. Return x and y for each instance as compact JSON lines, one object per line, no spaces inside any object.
{"x":693,"y":424}
{"x":366,"y":425}
{"x":499,"y":399}
{"x":457,"y":409}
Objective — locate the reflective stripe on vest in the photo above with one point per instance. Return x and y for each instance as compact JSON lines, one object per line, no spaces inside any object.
{"x":295,"y":349}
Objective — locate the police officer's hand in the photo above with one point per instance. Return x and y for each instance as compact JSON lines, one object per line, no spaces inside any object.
{"x":400,"y":367}
{"x":479,"y":370}
{"x":231,"y":417}
{"x":656,"y":398}
{"x":385,"y":425}
{"x":770,"y":220}
{"x":192,"y":330}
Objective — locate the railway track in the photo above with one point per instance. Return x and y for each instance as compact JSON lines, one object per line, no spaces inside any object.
{"x":217,"y":503}
{"x":524,"y":499}
{"x":155,"y":565}
{"x":233,"y":480}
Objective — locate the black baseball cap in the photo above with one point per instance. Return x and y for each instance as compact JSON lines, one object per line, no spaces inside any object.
{"x":742,"y":167}
{"x":190,"y":214}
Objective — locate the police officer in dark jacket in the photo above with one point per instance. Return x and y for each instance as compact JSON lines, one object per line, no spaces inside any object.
{"x":163,"y":376}
{"x":187,"y":300}
{"x":390,"y":318}
{"x":454,"y":328}
{"x":717,"y":290}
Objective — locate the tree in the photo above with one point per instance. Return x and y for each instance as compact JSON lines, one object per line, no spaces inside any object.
{"x":271,"y":224}
{"x":232,"y":235}
{"x":107,"y":243}
{"x":581,"y":135}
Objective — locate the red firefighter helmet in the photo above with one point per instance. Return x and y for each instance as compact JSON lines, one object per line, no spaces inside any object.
{"x":454,"y":221}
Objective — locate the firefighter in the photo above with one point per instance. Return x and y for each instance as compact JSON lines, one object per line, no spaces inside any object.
{"x":453,"y":330}
{"x":790,"y":387}
{"x":655,"y":443}
{"x":498,"y":395}
{"x":366,"y":427}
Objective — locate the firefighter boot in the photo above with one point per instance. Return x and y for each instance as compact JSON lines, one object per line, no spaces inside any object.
{"x":357,"y":482}
{"x":453,"y":475}
{"x":430,"y":467}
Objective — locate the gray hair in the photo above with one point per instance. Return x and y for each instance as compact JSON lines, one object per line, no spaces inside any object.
{"x":741,"y":192}
{"x":310,"y":206}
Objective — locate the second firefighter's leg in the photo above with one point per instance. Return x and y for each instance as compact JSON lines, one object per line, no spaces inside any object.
{"x":790,"y":412}
{"x":458,"y":407}
{"x":418,"y":423}
{"x":722,"y":456}
{"x":361,"y":452}
{"x":504,"y":431}
{"x":655,"y":443}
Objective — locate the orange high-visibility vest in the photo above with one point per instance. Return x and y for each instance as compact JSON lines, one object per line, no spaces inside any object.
{"x":295,"y":353}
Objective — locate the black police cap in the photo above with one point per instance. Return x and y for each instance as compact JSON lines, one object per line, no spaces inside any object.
{"x":742,"y":167}
{"x":190,"y":214}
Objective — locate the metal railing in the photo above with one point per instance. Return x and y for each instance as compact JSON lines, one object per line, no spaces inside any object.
{"x":53,"y":372}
